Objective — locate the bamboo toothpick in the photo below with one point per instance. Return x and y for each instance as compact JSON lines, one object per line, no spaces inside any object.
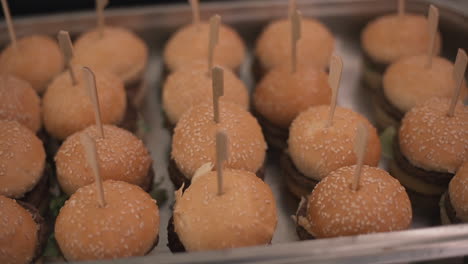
{"x":100,"y":5}
{"x":295,"y":36}
{"x":360,"y":145}
{"x":214,"y":32}
{"x":67,"y":50}
{"x":91,"y":85}
{"x":336,"y":67}
{"x":92,"y":158}
{"x":221,"y":157}
{"x":401,"y":8}
{"x":433,"y":18}
{"x":458,"y":75}
{"x":195,"y":5}
{"x":9,"y":22}
{"x":292,"y":6}
{"x":218,"y":90}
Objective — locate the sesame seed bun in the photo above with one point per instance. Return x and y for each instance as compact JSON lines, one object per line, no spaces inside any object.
{"x":281,"y":95}
{"x":316,"y":151}
{"x":379,"y":205}
{"x":244,"y":215}
{"x":127,"y":226}
{"x":190,"y":44}
{"x":122,"y":156}
{"x":390,"y":37}
{"x":119,"y":51}
{"x":193,"y":143}
{"x":409,"y":82}
{"x":19,"y":102}
{"x":457,"y":192}
{"x":18,"y":233}
{"x":315,"y":46}
{"x":192,"y":85}
{"x":68,"y":109}
{"x":36,"y":60}
{"x":22,"y":159}
{"x":433,"y":141}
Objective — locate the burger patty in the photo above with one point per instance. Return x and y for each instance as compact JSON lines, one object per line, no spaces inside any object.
{"x":39,"y":196}
{"x":173,"y":241}
{"x":293,"y":174}
{"x":275,"y":136}
{"x":301,"y":231}
{"x":452,"y":215}
{"x":387,"y":107}
{"x":431,"y":177}
{"x":178,"y":178}
{"x":149,"y":179}
{"x":130,"y":119}
{"x":257,"y":70}
{"x":371,"y":64}
{"x":42,"y":231}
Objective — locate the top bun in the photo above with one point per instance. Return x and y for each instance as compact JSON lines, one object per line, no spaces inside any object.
{"x":127,"y":226}
{"x":68,"y":109}
{"x":119,"y":51}
{"x":281,"y":95}
{"x":122,"y":156}
{"x":36,"y":60}
{"x":379,"y":205}
{"x":19,"y":102}
{"x":244,"y":215}
{"x":22,"y":159}
{"x":316,"y":151}
{"x":409,"y":82}
{"x":18,"y":233}
{"x":388,"y":38}
{"x":433,"y":141}
{"x":190,"y":44}
{"x":313,"y":48}
{"x":192,"y":85}
{"x":194,"y":141}
{"x":457,"y":192}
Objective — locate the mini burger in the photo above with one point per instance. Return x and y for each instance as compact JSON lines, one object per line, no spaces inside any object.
{"x":243,"y":215}
{"x":281,"y":95}
{"x":193,"y":143}
{"x":121,"y":155}
{"x":128,"y":224}
{"x":315,"y":150}
{"x":380,"y":204}
{"x":23,"y":232}
{"x":453,"y":204}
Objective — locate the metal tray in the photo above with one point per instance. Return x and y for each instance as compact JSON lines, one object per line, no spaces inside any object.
{"x":345,"y":18}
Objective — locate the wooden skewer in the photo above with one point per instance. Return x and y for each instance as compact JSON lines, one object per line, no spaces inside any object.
{"x":360,"y":146}
{"x":100,"y":5}
{"x":401,"y":8}
{"x":221,"y":157}
{"x":92,"y":158}
{"x":9,"y":22}
{"x":433,"y":18}
{"x":336,"y":67}
{"x":292,"y":6}
{"x":214,"y":32}
{"x":67,"y":50}
{"x":218,"y":90}
{"x":93,"y":94}
{"x":458,"y":75}
{"x":195,"y":5}
{"x":295,"y":36}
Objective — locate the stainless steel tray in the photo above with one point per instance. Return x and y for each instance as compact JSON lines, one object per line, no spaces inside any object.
{"x":346,"y":19}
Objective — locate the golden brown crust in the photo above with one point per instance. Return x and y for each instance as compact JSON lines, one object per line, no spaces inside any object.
{"x":119,"y":51}
{"x":281,"y":95}
{"x":457,"y":192}
{"x":192,"y":85}
{"x":68,"y":109}
{"x":379,"y":205}
{"x":433,"y":141}
{"x":36,"y":60}
{"x":18,"y":233}
{"x":408,"y":81}
{"x":19,"y":102}
{"x":190,"y":44}
{"x":391,"y":37}
{"x":244,"y":215}
{"x":22,"y":159}
{"x":127,"y":226}
{"x":193,"y":143}
{"x":122,"y":156}
{"x":316,"y":151}
{"x":314,"y":48}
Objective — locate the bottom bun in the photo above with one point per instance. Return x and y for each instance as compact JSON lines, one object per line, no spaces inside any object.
{"x":298,"y":184}
{"x":386,"y":115}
